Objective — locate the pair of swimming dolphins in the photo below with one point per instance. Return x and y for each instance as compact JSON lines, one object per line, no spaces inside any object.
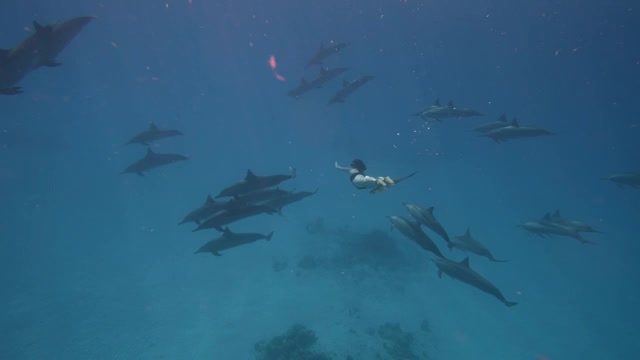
{"x":40,"y":49}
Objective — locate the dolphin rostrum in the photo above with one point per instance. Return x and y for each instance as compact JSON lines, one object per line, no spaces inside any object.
{"x":230,"y":240}
{"x":152,"y":134}
{"x":38,"y":50}
{"x":152,"y":160}
{"x":254,"y":182}
{"x":466,"y":242}
{"x":462,"y":271}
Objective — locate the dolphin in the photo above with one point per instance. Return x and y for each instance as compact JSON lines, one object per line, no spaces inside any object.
{"x":467,"y":243}
{"x":544,"y":228}
{"x":152,"y":134}
{"x":234,"y":214}
{"x":230,"y":240}
{"x":324,"y":52}
{"x":253,"y":182}
{"x":438,"y":112}
{"x":501,"y":122}
{"x":208,"y":209}
{"x":152,"y":160}
{"x":513,"y":131}
{"x":578,"y":225}
{"x":622,"y":180}
{"x":349,"y":87}
{"x":325,"y":75}
{"x":38,"y":50}
{"x":414,"y":232}
{"x":463,"y":272}
{"x":426,"y":217}
{"x":290,"y":198}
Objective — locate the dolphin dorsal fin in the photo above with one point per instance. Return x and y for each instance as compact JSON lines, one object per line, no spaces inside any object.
{"x":153,"y":127}
{"x":227,"y":232}
{"x":430,"y":210}
{"x":465,"y":262}
{"x":515,"y":123}
{"x":503,"y":118}
{"x":149,"y":152}
{"x":437,"y":102}
{"x":209,"y":200}
{"x":36,"y":25}
{"x":250,"y":175}
{"x":467,"y":233}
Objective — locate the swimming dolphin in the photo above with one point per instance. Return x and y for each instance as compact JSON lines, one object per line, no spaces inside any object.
{"x":230,"y":240}
{"x":544,"y":228}
{"x":152,"y":160}
{"x":514,"y":131}
{"x":288,"y":199}
{"x":501,"y":122}
{"x":467,"y":243}
{"x":152,"y":134}
{"x":463,"y":272}
{"x":414,"y":232}
{"x":253,"y":182}
{"x":438,"y":112}
{"x":39,"y":49}
{"x":325,"y":52}
{"x":576,"y":224}
{"x":426,"y":217}
{"x":234,"y":214}
{"x":622,"y":180}
{"x":349,"y":87}
{"x":208,"y":209}
{"x":325,"y":75}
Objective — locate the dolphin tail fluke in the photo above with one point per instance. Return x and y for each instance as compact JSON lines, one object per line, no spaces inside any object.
{"x":510,"y":303}
{"x":268,"y":237}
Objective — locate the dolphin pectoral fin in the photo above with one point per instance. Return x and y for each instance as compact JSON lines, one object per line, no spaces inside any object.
{"x":510,"y":303}
{"x":52,"y":63}
{"x":215,"y":253}
{"x":11,"y":90}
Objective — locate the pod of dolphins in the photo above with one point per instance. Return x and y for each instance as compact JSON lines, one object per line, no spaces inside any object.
{"x":257,"y":194}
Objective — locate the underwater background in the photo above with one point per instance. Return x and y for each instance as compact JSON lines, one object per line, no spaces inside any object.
{"x":94,"y":265}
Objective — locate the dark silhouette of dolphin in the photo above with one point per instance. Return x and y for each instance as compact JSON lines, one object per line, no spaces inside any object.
{"x":152,"y":134}
{"x":252,"y":182}
{"x":152,"y":160}
{"x":463,"y":272}
{"x":230,"y":240}
{"x":348,"y":87}
{"x":39,"y":49}
{"x":324,"y":52}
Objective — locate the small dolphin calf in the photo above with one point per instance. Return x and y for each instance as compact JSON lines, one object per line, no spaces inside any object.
{"x":467,"y":243}
{"x":463,"y":272}
{"x":415,"y":233}
{"x":622,"y":180}
{"x":253,"y":182}
{"x":152,"y":160}
{"x":230,"y":240}
{"x":324,"y":52}
{"x":426,"y":217}
{"x":515,"y":131}
{"x":38,"y":50}
{"x":152,"y":134}
{"x":348,"y":87}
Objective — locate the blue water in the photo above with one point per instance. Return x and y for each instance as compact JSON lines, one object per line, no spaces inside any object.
{"x":93,"y":265}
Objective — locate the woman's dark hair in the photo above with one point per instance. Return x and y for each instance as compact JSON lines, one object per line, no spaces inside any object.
{"x":358,"y":165}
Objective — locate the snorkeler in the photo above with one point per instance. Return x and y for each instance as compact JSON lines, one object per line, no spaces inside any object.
{"x":362,"y":181}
